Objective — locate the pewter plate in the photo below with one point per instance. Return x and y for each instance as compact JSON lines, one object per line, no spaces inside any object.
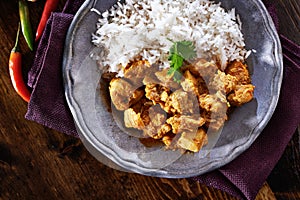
{"x":106,"y":140}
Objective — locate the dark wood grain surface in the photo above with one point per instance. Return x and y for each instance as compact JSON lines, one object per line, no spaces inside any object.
{"x":39,"y":163}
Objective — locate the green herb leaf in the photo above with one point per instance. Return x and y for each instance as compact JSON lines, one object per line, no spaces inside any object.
{"x":180,"y":51}
{"x":175,"y":73}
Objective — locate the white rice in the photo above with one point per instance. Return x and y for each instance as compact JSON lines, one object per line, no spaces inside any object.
{"x":142,"y":29}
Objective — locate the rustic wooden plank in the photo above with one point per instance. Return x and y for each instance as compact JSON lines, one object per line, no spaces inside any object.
{"x":285,"y":177}
{"x":40,"y":163}
{"x":265,"y":193}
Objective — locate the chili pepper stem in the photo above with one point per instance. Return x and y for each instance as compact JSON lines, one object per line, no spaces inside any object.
{"x":16,"y":48}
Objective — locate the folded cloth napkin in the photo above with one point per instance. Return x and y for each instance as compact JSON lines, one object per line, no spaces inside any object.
{"x":240,"y":178}
{"x":47,"y":105}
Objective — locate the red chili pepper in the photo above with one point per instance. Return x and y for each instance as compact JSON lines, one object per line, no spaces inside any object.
{"x":15,"y":71}
{"x":49,"y":7}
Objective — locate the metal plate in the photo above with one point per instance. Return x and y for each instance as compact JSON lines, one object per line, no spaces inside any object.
{"x":106,"y":140}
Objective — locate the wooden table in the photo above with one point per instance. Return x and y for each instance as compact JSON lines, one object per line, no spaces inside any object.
{"x":39,"y":163}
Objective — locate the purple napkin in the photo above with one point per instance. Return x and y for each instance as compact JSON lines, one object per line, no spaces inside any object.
{"x":47,"y":105}
{"x":240,"y":177}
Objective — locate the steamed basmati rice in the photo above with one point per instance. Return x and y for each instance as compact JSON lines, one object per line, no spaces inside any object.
{"x":142,"y":29}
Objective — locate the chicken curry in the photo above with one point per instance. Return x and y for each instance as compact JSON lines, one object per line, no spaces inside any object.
{"x":180,"y":113}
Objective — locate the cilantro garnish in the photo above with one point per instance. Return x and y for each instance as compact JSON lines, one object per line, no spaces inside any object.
{"x":180,"y":51}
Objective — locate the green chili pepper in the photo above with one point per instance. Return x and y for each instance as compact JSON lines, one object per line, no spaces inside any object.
{"x":25,"y":23}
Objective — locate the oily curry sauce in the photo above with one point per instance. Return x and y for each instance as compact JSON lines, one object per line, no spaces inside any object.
{"x":180,"y":113}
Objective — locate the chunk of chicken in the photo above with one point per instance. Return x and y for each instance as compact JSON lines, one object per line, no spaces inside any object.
{"x":136,"y":71}
{"x":181,"y":102}
{"x":157,"y":115}
{"x":158,"y":94}
{"x":189,"y":83}
{"x":123,"y":94}
{"x":159,"y":131}
{"x":166,"y":80}
{"x":223,"y":82}
{"x":150,"y":79}
{"x":193,"y":141}
{"x":241,"y":95}
{"x":152,"y":121}
{"x":202,"y":86}
{"x":167,"y":139}
{"x":185,"y":122}
{"x":142,"y":105}
{"x":157,"y":127}
{"x":215,"y":103}
{"x":137,"y":95}
{"x":240,"y":71}
{"x":133,"y":119}
{"x":202,"y":68}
